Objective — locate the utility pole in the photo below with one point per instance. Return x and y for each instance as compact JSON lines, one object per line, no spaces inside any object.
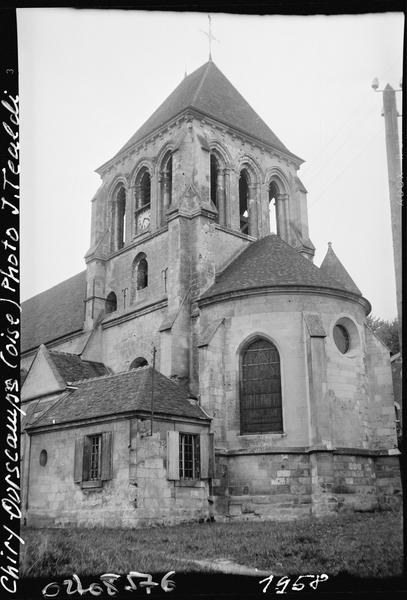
{"x":395,"y":183}
{"x":395,"y":191}
{"x":152,"y":390}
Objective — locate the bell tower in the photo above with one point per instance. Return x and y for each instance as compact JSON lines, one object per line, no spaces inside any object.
{"x":197,"y":183}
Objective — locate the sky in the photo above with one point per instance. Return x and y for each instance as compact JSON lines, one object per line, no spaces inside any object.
{"x":90,"y":78}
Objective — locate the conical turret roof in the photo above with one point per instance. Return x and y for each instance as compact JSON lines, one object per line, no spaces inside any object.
{"x":210,"y":93}
{"x":332,"y":266}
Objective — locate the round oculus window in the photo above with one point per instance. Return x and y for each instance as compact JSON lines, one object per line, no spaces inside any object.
{"x":341,"y":338}
{"x":43,"y":458}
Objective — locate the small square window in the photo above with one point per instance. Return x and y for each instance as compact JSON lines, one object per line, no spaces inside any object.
{"x":189,"y":456}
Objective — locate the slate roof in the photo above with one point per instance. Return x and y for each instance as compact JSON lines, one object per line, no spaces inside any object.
{"x":73,"y":368}
{"x":271,"y":262}
{"x":54,"y":313}
{"x":122,"y":393}
{"x":208,"y":91}
{"x":332,"y":266}
{"x":36,"y":409}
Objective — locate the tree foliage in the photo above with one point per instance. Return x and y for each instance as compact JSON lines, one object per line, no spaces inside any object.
{"x":387,"y":331}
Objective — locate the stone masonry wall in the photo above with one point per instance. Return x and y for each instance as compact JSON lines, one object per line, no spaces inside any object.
{"x":138,"y":494}
{"x":119,"y":272}
{"x":125,"y":341}
{"x":357,"y":395}
{"x":380,"y":386}
{"x":53,"y":496}
{"x":345,"y":471}
{"x":270,"y":486}
{"x":293,"y":485}
{"x":157,"y":499}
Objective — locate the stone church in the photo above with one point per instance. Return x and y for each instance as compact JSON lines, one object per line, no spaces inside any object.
{"x":202,"y":367}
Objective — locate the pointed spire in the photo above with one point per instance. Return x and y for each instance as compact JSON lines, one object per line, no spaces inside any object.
{"x":331,"y":265}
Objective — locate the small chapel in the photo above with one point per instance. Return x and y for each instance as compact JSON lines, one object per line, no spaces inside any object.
{"x":202,"y":367}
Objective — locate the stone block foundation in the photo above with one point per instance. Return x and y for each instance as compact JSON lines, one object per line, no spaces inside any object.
{"x":292,"y":485}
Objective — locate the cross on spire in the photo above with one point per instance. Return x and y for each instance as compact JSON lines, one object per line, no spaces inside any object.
{"x":210,"y":36}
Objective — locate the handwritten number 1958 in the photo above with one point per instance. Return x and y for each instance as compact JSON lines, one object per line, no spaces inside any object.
{"x":282,"y":584}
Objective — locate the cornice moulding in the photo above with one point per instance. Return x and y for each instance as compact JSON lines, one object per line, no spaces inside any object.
{"x":287,"y":289}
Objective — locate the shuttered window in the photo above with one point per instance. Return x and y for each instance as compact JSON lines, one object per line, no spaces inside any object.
{"x":93,"y":458}
{"x":260,"y":388}
{"x":189,"y":455}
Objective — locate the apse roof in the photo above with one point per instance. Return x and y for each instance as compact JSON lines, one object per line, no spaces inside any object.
{"x":122,"y":393}
{"x":209,"y":92}
{"x":55,"y":313}
{"x":271,"y":262}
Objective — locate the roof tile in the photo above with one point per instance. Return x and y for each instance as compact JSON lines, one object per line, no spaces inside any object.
{"x":332,"y":266}
{"x":73,"y":368}
{"x":208,"y":91}
{"x":54,"y":313}
{"x":122,"y":393}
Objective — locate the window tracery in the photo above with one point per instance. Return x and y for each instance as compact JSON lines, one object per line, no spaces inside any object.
{"x":260,"y":388}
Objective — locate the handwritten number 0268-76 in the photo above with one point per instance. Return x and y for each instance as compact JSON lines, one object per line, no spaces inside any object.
{"x":74,"y":585}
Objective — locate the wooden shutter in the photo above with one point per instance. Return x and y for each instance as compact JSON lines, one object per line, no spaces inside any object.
{"x":86,"y":458}
{"x":211,"y":464}
{"x":207,"y":458}
{"x":78,"y":461}
{"x":173,"y":455}
{"x":106,"y":468}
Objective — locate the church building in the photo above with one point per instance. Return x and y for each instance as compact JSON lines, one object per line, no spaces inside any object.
{"x":202,"y":366}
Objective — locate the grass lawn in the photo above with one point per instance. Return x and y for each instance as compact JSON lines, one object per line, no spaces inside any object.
{"x":359,"y":544}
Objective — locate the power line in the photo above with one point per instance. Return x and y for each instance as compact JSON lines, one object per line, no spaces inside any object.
{"x":344,"y":126}
{"x":329,"y":156}
{"x":339,"y":130}
{"x":354,"y":157}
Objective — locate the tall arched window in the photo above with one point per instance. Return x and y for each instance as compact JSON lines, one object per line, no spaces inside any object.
{"x":143,"y":201}
{"x":145,"y":189}
{"x":273,"y":208}
{"x":260,"y":388}
{"x":218,"y":184}
{"x":142,"y":274}
{"x":243,"y":201}
{"x":139,"y":279}
{"x":166,"y":187}
{"x":111,"y":303}
{"x":119,"y":219}
{"x":214,"y":181}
